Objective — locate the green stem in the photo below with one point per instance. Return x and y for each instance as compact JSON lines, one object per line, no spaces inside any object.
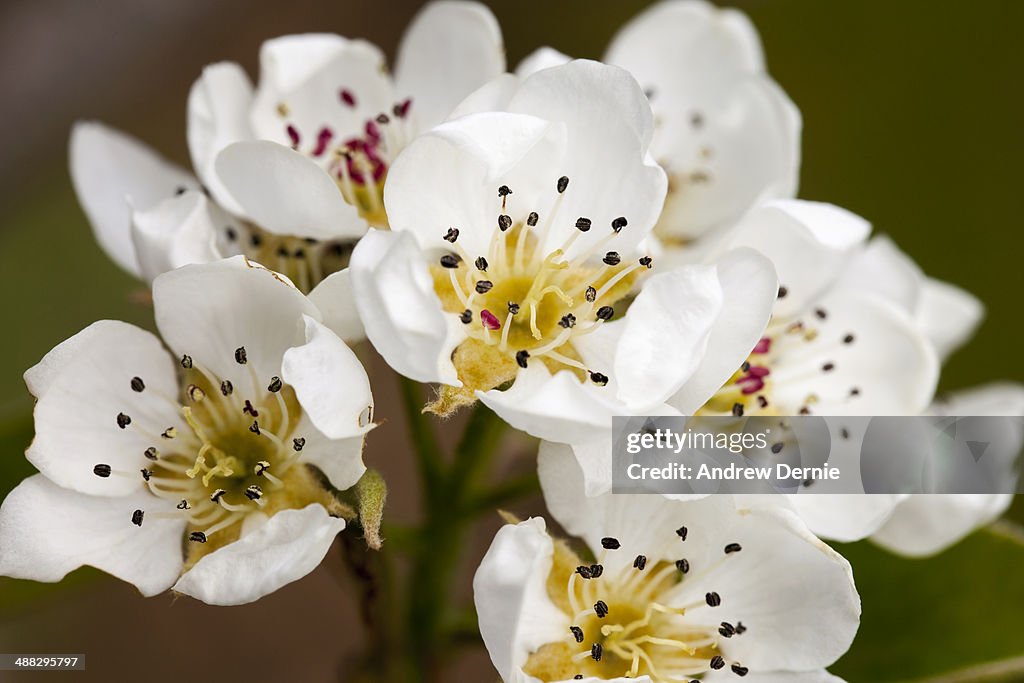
{"x":436,"y":555}
{"x":372,"y":576}
{"x":413,"y":649}
{"x":424,"y":438}
{"x":479,"y":441}
{"x":503,"y":494}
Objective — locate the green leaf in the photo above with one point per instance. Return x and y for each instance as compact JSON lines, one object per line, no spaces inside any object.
{"x":926,"y":618}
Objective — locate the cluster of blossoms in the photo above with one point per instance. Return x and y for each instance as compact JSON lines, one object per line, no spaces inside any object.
{"x":564,"y":243}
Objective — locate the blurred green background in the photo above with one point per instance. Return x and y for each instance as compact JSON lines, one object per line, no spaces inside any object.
{"x":912,"y":118}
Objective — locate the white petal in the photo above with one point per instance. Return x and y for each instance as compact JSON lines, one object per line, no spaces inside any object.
{"x":882,"y":268}
{"x":584,"y":120}
{"x":509,"y":590}
{"x":845,"y":517}
{"x":608,"y":126}
{"x":81,"y":387}
{"x":891,"y":364}
{"x":555,"y":407}
{"x":218,"y":115}
{"x":749,"y":289}
{"x":207,"y":311}
{"x":704,"y":65}
{"x":284,"y":549}
{"x":448,"y":51}
{"x":592,"y":517}
{"x":47,"y":531}
{"x":112,"y":173}
{"x":592,"y":472}
{"x":795,"y":594}
{"x":745,"y":149}
{"x":394,"y":293}
{"x":492,"y":96}
{"x":541,"y":58}
{"x":337,"y":303}
{"x":304,"y":76}
{"x":593,"y":462}
{"x":809,"y":242}
{"x":948,"y":315}
{"x":340,"y":460}
{"x":176,"y":232}
{"x":594,"y":459}
{"x":285,"y":192}
{"x":926,"y":524}
{"x":666,"y":333}
{"x":329,"y":382}
{"x":673,"y":41}
{"x":449,"y":176}
{"x":996,"y":398}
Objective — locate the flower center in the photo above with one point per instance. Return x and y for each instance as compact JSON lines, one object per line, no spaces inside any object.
{"x":305,"y":261}
{"x":236,"y":454}
{"x":522,"y":303}
{"x":748,"y":391}
{"x":358,"y":163}
{"x":631,"y":622}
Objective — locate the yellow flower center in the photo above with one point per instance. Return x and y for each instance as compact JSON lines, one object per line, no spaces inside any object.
{"x":238,"y":454}
{"x":521,"y":303}
{"x":628,"y":623}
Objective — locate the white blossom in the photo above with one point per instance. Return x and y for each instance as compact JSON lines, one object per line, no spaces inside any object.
{"x":675,"y":590}
{"x":209,"y":469}
{"x":516,"y":240}
{"x":290,"y":172}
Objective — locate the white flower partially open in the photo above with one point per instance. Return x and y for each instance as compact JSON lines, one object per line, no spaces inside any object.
{"x":306,"y":152}
{"x":727,"y":136}
{"x":212,"y":474}
{"x":675,"y":590}
{"x":725,"y":133}
{"x":292,"y":170}
{"x":514,"y":245}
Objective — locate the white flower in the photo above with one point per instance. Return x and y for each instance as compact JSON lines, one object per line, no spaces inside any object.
{"x":922,"y":525}
{"x":298,"y":211}
{"x":829,"y":348}
{"x":327,"y":116}
{"x":676,"y":590}
{"x":854,"y":332}
{"x":725,"y":133}
{"x":515,"y":241}
{"x":895,"y":324}
{"x":833,"y":347}
{"x":191,"y":470}
{"x":946,"y":314}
